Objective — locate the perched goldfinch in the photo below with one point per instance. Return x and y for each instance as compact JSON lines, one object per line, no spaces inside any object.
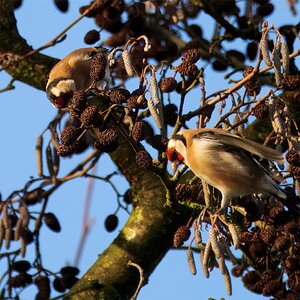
{"x":225,"y":161}
{"x":73,"y":73}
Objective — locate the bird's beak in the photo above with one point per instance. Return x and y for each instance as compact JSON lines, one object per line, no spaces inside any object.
{"x":175,"y":164}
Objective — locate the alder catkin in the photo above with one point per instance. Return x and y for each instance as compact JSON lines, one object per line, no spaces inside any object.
{"x":127,"y":63}
{"x":49,"y":160}
{"x":215,"y":244}
{"x":154,"y":113}
{"x":277,"y":64}
{"x":206,"y":256}
{"x":234,"y":235}
{"x":265,"y":49}
{"x":39,"y":155}
{"x":191,"y":261}
{"x":285,"y":59}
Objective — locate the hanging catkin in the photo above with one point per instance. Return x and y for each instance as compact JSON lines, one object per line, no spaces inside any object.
{"x":265,"y":49}
{"x":127,"y":63}
{"x":285,"y":59}
{"x":276,"y":61}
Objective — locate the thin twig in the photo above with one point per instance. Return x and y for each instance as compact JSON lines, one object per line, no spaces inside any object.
{"x":142,"y":279}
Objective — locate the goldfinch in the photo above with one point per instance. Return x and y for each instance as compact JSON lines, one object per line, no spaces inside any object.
{"x":226,"y":162}
{"x":73,"y":73}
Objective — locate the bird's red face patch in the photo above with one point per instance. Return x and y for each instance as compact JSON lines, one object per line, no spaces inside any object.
{"x":173,"y":155}
{"x":63,"y":100}
{"x":59,"y":102}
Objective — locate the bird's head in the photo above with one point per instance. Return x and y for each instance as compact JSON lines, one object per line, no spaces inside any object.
{"x":176,"y":151}
{"x":60,"y":91}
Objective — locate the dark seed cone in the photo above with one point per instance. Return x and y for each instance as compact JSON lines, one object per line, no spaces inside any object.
{"x":207,"y":112}
{"x":17,"y":3}
{"x":111,"y":223}
{"x":291,"y":82}
{"x":69,"y":135}
{"x":237,"y":271}
{"x":67,"y":150}
{"x":139,"y":131}
{"x":271,"y":287}
{"x":186,"y":192}
{"x":252,"y":210}
{"x":188,"y":69}
{"x":265,"y":10}
{"x":128,"y":197}
{"x":196,"y":29}
{"x":252,"y":49}
{"x":91,"y":37}
{"x":21,"y":280}
{"x":290,"y":295}
{"x":108,"y":140}
{"x":191,"y":55}
{"x":181,"y":235}
{"x":74,"y":113}
{"x":59,"y":285}
{"x":69,"y":271}
{"x":293,"y":157}
{"x":69,"y":281}
{"x":52,"y":222}
{"x":248,"y":70}
{"x":119,"y":96}
{"x":250,"y":278}
{"x":62,"y":5}
{"x":291,"y":228}
{"x":89,"y":116}
{"x":291,"y":264}
{"x":223,"y":6}
{"x":219,"y":65}
{"x":168,"y":85}
{"x":236,"y":55}
{"x":294,"y":281}
{"x":159,"y":142}
{"x":257,"y":249}
{"x":282,"y":243}
{"x":78,"y":101}
{"x":252,"y":86}
{"x":143,"y":159}
{"x":138,"y":92}
{"x":170,"y":112}
{"x":275,"y":211}
{"x":98,"y":67}
{"x":295,"y":171}
{"x":27,"y":235}
{"x":280,"y":217}
{"x":97,"y":9}
{"x":135,"y":101}
{"x":44,"y":290}
{"x":268,"y":235}
{"x":33,"y":197}
{"x":21,"y":266}
{"x":261,"y":111}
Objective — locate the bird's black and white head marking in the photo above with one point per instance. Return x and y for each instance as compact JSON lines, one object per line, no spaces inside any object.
{"x":60,"y":90}
{"x":176,"y":148}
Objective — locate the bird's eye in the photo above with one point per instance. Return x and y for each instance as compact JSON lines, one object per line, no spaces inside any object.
{"x":174,"y":155}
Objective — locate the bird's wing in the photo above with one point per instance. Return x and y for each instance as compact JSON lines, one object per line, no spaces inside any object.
{"x":225,"y":138}
{"x":81,"y":55}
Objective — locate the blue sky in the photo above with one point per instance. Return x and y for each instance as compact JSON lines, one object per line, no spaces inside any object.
{"x":26,"y":112}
